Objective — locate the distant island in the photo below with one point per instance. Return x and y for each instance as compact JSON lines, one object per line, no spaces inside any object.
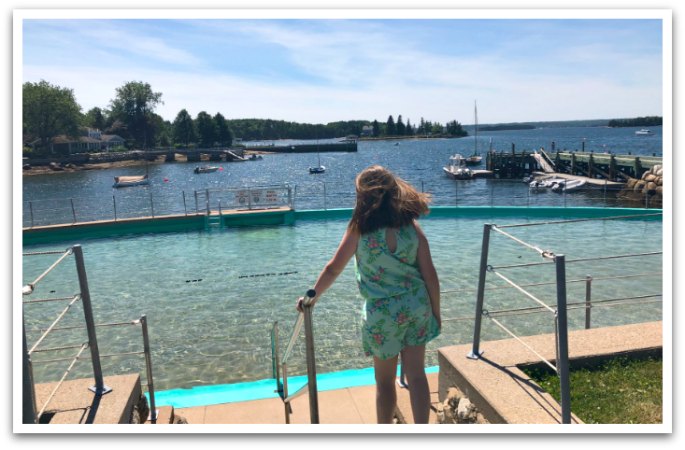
{"x":504,"y":127}
{"x":649,"y":121}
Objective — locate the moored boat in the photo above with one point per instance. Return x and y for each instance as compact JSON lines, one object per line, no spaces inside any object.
{"x":644,"y":132}
{"x":206,"y":169}
{"x":456,"y":169}
{"x":130,"y":180}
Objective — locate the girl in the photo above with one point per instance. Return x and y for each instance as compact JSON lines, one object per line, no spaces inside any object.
{"x":397,"y":279}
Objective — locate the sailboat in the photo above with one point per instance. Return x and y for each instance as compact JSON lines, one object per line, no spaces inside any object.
{"x":319,"y":168}
{"x":474,"y":159}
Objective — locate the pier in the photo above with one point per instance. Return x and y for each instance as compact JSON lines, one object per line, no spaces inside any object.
{"x":601,"y":166}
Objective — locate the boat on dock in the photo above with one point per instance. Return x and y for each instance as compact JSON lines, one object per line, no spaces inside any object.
{"x":206,"y":169}
{"x":131,"y":180}
{"x":456,"y":169}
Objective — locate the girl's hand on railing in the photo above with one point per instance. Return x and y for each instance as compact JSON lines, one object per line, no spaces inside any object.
{"x":298,"y":304}
{"x":311,"y":294}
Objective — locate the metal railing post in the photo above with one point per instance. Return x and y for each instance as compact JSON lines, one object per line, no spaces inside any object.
{"x":28,"y":388}
{"x":152,"y":208}
{"x":114,"y":202}
{"x":185,"y":208}
{"x":311,"y":364}
{"x":324,"y":197}
{"x":249,"y":198}
{"x":562,"y":360}
{"x":207,"y":200}
{"x":99,"y":387}
{"x":290,"y":197}
{"x":148,"y":366}
{"x":475,"y":351}
{"x":73,"y":211}
{"x":588,"y":301}
{"x":197,"y":207}
{"x":31,"y":212}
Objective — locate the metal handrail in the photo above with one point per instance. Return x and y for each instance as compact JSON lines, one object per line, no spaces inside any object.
{"x":31,"y":413}
{"x":281,"y":364}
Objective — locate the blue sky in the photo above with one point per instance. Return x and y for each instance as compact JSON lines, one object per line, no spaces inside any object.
{"x":323,"y":70}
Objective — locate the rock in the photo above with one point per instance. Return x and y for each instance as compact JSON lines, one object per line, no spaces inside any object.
{"x":649,"y":177}
{"x":651,"y":186}
{"x":466,"y":412}
{"x":660,"y":190}
{"x":639,"y":185}
{"x":480,"y":419}
{"x":55,"y":166}
{"x":660,"y":172}
{"x":631,"y":183}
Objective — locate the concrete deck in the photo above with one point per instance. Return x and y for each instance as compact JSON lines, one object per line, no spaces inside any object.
{"x":505,"y":394}
{"x":355,"y":405}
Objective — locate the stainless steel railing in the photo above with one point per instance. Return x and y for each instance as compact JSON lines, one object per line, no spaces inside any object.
{"x":31,"y":412}
{"x":559,"y":311}
{"x":280,"y":365}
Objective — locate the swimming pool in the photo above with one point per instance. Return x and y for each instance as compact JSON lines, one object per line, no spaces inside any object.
{"x":211,"y":296}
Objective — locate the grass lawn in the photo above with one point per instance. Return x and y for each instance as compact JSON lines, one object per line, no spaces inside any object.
{"x":620,"y":391}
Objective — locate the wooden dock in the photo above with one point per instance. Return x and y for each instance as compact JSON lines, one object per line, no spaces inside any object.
{"x":603,"y":166}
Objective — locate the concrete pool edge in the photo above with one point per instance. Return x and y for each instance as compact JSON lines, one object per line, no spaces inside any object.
{"x":286,"y":216}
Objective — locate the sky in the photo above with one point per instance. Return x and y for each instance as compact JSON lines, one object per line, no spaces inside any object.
{"x":325,"y":70}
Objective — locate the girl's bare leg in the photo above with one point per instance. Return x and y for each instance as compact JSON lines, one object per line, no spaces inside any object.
{"x":413,"y":359}
{"x":386,"y":397}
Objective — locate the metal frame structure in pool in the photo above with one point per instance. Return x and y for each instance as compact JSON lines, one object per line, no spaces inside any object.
{"x":287,"y":216}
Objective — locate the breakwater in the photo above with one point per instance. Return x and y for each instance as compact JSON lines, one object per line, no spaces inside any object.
{"x":306,"y":148}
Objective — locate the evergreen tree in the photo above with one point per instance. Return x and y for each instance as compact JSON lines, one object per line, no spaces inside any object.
{"x":399,"y":127}
{"x":409,"y":131}
{"x":390,"y":129}
{"x":376,"y":129}
{"x":95,"y":118}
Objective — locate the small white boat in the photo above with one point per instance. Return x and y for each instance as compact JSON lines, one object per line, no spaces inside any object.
{"x":130,"y":180}
{"x":456,"y":169}
{"x":574,"y":185}
{"x":644,"y":132}
{"x":206,"y":169}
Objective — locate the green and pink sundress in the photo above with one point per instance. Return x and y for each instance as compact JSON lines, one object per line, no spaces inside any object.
{"x":397,"y":310}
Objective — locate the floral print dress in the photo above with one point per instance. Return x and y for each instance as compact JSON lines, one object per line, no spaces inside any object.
{"x":397,"y":309}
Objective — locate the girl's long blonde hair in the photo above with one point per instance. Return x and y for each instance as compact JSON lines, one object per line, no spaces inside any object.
{"x":385,"y":200}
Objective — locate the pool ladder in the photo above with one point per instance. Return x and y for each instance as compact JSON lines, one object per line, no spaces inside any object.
{"x":305,"y":316}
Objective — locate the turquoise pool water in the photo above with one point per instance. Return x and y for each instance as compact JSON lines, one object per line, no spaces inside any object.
{"x":211,"y":297}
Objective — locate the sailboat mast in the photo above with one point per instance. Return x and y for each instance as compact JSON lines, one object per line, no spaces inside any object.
{"x":475,"y":141}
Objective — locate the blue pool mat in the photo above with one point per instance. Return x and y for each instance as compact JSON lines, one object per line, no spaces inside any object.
{"x":262,"y":389}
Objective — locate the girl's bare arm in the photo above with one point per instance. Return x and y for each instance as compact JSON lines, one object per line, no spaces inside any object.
{"x":428,"y":272}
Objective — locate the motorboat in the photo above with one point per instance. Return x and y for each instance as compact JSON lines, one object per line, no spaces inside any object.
{"x":574,"y":185}
{"x":644,"y":132}
{"x":131,"y":180}
{"x":206,"y":169}
{"x":456,"y":169}
{"x":254,"y":157}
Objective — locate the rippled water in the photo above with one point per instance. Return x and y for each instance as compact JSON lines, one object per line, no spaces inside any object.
{"x":211,"y":297}
{"x":419,"y":161}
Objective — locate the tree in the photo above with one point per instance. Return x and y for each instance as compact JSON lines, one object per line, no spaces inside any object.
{"x":376,"y":129}
{"x":48,"y":111}
{"x":134,"y":105}
{"x":409,"y":130}
{"x":183,"y":128}
{"x":95,"y":118}
{"x":206,"y":130}
{"x":224,"y":135}
{"x":390,"y":129}
{"x":399,"y":127}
